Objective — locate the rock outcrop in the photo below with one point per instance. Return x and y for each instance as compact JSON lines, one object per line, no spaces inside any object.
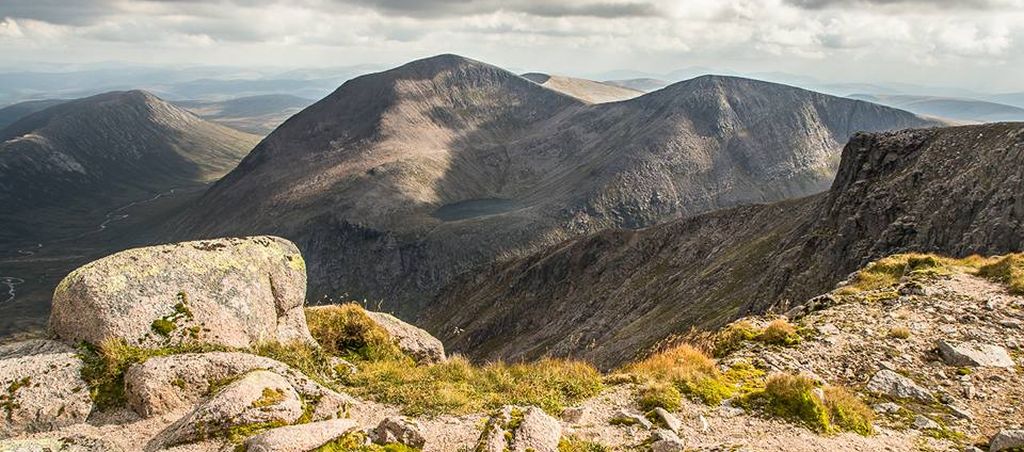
{"x":413,"y":341}
{"x":234,"y":292}
{"x":974,"y":354}
{"x":42,"y":387}
{"x":169,"y":383}
{"x":300,"y":438}
{"x":399,"y":430}
{"x":258,"y":398}
{"x":897,"y":386}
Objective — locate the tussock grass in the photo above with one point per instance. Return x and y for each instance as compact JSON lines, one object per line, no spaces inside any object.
{"x":733,"y":336}
{"x":346,"y":331}
{"x":779,"y":332}
{"x":887,"y":272}
{"x":797,"y":398}
{"x":1008,"y":270}
{"x":573,"y":443}
{"x":899,"y":332}
{"x":691,"y":371}
{"x":459,"y":387}
{"x":659,"y":394}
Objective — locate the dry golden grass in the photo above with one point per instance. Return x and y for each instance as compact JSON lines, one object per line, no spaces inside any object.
{"x":899,"y":332}
{"x":689,"y":369}
{"x":345,"y":330}
{"x":779,"y":332}
{"x":1008,"y":270}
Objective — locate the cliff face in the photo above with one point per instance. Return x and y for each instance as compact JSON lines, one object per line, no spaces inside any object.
{"x":399,"y":181}
{"x":609,"y":296}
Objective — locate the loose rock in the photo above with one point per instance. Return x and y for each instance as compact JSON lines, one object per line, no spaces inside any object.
{"x":518,"y":429}
{"x":668,"y":419}
{"x":413,"y":341}
{"x":399,"y":430}
{"x":233,"y":292}
{"x":895,"y":385}
{"x":1006,"y":440}
{"x":974,"y":354}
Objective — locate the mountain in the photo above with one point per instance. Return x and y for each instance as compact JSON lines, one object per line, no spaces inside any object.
{"x":254,"y":114}
{"x":610,"y":296}
{"x":1014,"y":99}
{"x":89,"y":154}
{"x":588,"y":91}
{"x":947,"y":107}
{"x":640,"y":84}
{"x":12,"y":113}
{"x":401,"y":180}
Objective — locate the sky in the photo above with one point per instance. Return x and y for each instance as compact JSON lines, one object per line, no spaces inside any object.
{"x":973,"y":44}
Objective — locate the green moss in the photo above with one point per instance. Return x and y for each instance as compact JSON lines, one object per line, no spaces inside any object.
{"x":573,"y":443}
{"x":794,"y":397}
{"x":239,"y":433}
{"x":659,"y":395}
{"x":7,"y":399}
{"x":780,"y":332}
{"x":354,"y":442}
{"x":1008,"y":270}
{"x":269,"y":396}
{"x":163,"y":327}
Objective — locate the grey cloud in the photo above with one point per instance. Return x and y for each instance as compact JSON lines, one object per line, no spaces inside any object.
{"x":57,"y":11}
{"x":445,"y":8}
{"x":933,"y":4}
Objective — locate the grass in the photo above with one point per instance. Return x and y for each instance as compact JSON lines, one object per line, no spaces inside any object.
{"x":899,"y":332}
{"x":779,"y":332}
{"x":346,"y":331}
{"x":1008,"y":270}
{"x":733,"y":336}
{"x":459,"y":387}
{"x":356,"y":442}
{"x":691,"y":371}
{"x":659,"y":394}
{"x":573,"y":443}
{"x":796,"y":398}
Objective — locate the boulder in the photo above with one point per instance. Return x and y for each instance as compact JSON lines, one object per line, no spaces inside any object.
{"x":666,"y":441}
{"x":668,"y":419}
{"x":168,"y":383}
{"x":259,"y":398}
{"x":974,"y":354}
{"x":413,"y":341}
{"x":233,"y":292}
{"x":923,"y":423}
{"x":623,"y":417}
{"x":518,"y":429}
{"x":399,"y":430}
{"x":1007,"y":440}
{"x":42,"y":387}
{"x":895,"y":385}
{"x":300,"y":438}
{"x":70,"y":443}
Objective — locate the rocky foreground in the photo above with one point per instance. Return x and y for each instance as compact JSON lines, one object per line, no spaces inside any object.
{"x":206,"y":346}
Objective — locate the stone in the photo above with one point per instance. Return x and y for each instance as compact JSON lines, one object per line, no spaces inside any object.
{"x":886,"y":408}
{"x":300,"y":438}
{"x":233,"y":292}
{"x":974,"y":354}
{"x":828,"y":329}
{"x":41,"y":387}
{"x":574,"y":414}
{"x":666,"y":441}
{"x":1007,"y":439}
{"x":668,"y":419}
{"x":258,"y":398}
{"x":169,"y":383}
{"x":895,"y":385}
{"x":705,"y":426}
{"x":623,"y":417}
{"x":413,"y":341}
{"x":399,"y":430}
{"x":70,"y":443}
{"x":923,"y":423}
{"x":519,"y":429}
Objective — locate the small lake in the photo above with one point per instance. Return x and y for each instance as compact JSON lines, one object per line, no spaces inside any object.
{"x":474,"y":208}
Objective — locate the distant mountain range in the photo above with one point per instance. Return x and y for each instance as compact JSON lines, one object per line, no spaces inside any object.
{"x":969,"y":110}
{"x":401,"y":180}
{"x":253,"y":114}
{"x":608,"y":296}
{"x":588,"y":91}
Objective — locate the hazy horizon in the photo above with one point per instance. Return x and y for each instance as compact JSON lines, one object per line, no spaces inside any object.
{"x":973,"y":45}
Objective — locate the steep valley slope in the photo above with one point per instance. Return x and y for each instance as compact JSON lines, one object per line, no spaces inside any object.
{"x":401,"y":180}
{"x":610,"y":296}
{"x":87,"y":177}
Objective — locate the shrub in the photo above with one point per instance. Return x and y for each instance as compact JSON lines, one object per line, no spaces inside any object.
{"x":690,"y":370}
{"x":899,"y":332}
{"x":779,"y":332}
{"x":345,"y":330}
{"x":733,"y":336}
{"x":660,"y":395}
{"x":458,"y":387}
{"x":1008,"y":270}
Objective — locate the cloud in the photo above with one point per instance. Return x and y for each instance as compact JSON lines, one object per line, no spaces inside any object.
{"x":920,"y":4}
{"x":570,"y":8}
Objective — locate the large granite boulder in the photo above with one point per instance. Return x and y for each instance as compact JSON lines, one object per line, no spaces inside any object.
{"x":166,"y":384}
{"x":42,"y":387}
{"x":520,"y":429}
{"x":413,"y":341}
{"x":300,"y":438}
{"x":232,"y":292}
{"x":259,"y":398}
